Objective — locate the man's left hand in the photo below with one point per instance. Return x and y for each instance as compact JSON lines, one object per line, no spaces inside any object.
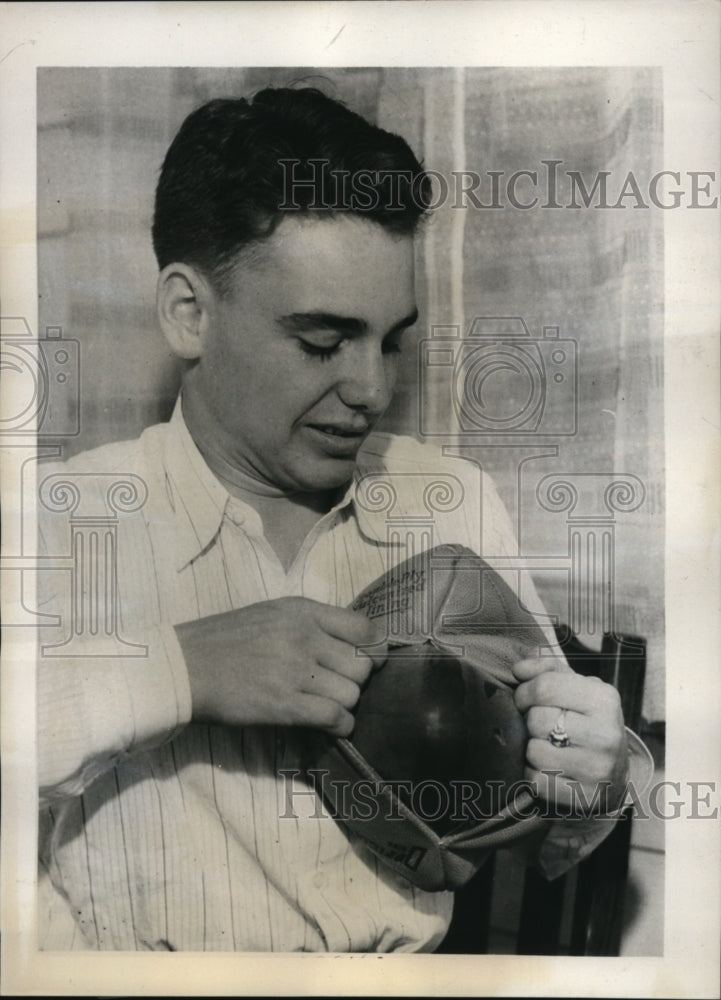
{"x":589,"y":710}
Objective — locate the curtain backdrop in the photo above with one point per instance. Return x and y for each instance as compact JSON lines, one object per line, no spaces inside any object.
{"x":586,"y":369}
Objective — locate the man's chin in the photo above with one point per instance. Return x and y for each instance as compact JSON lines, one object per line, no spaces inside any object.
{"x":323,"y":478}
{"x":324,"y":474}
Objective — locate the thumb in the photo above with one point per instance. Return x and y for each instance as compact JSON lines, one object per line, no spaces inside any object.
{"x":377,"y":652}
{"x":526,"y":670}
{"x":377,"y":649}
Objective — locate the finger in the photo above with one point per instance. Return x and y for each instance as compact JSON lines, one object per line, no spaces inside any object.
{"x":321,"y":713}
{"x":378,"y":653}
{"x":350,"y":626}
{"x":336,"y":655}
{"x":583,"y":730}
{"x":573,"y":763}
{"x":526,"y":670}
{"x":540,"y":720}
{"x":324,"y":683}
{"x":578,"y":798}
{"x":596,"y":732}
{"x":587,"y":695}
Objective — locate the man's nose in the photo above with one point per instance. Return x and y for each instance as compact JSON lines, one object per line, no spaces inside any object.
{"x":368,"y":383}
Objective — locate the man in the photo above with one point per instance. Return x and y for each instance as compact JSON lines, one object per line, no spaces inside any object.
{"x":161,"y":825}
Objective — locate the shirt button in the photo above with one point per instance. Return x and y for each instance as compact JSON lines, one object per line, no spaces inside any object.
{"x":319,"y":880}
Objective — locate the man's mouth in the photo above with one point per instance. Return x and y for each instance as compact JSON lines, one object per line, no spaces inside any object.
{"x":338,"y":440}
{"x":342,"y":430}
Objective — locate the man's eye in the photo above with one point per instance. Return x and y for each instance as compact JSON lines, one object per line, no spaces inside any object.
{"x":322,"y":351}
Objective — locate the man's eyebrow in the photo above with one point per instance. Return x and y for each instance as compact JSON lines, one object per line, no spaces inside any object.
{"x":302,"y":322}
{"x":350,"y":325}
{"x":407,"y":321}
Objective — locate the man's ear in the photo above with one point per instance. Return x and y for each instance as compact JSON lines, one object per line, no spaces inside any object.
{"x":183,"y":298}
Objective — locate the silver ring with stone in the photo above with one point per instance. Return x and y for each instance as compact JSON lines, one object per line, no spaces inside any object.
{"x":558,"y":735}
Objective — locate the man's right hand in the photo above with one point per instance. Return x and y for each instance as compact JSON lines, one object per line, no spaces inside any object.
{"x":291,"y":662}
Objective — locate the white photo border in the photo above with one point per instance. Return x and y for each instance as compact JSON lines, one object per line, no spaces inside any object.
{"x":680,"y":37}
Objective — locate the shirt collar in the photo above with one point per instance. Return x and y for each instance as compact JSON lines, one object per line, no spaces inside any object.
{"x":373,"y":496}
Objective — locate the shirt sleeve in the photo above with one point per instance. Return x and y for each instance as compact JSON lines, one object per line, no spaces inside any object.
{"x":93,"y":711}
{"x":569,"y":841}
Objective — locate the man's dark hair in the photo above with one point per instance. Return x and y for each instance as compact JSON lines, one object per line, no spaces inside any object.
{"x":237,"y":167}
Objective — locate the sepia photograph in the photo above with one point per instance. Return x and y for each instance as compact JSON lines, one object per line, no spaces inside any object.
{"x":354,"y":510}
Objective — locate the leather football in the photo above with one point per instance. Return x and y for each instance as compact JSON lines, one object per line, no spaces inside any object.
{"x":439,"y":716}
{"x":432,"y":719}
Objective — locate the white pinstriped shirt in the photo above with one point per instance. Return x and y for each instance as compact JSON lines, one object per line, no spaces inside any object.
{"x":160,"y":833}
